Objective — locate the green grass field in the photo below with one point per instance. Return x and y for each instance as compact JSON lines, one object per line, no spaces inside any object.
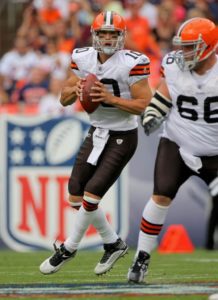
{"x":174,"y":272}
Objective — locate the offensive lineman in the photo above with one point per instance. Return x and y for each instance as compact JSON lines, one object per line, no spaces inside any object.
{"x":188,"y":93}
{"x":123,"y":93}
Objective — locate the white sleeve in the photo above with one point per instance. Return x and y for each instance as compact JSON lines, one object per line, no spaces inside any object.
{"x":140,"y":70}
{"x":5,"y":65}
{"x":76,"y":63}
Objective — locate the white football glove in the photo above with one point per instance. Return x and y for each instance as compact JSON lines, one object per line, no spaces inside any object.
{"x":155,"y":113}
{"x":213,"y":187}
{"x":150,"y":123}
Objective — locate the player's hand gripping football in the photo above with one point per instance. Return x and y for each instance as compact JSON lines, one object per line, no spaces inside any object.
{"x":101,"y":94}
{"x":150,"y":123}
{"x":79,"y":87}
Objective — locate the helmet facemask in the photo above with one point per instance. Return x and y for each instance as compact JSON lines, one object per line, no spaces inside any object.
{"x":188,"y":59}
{"x":105,"y":46}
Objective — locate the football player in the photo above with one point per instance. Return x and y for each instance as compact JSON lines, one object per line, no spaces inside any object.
{"x":187,"y":99}
{"x":123,"y":92}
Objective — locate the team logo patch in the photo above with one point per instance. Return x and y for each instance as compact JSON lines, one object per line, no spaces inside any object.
{"x":119,"y":141}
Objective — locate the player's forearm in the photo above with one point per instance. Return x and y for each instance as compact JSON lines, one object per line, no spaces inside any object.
{"x":133,"y":106}
{"x":68,"y":96}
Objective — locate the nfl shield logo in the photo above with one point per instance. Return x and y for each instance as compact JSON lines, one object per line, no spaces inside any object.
{"x":37,"y":158}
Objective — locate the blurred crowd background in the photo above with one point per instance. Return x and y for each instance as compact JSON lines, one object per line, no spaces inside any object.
{"x":37,"y":38}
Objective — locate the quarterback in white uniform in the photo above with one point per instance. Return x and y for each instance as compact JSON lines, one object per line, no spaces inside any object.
{"x":187,"y":100}
{"x":123,"y":92}
{"x":118,"y":74}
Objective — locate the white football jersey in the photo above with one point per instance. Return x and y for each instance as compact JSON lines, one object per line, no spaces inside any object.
{"x":118,"y":73}
{"x":193,"y":120}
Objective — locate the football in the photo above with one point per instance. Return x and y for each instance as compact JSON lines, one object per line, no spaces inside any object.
{"x":63,"y":142}
{"x":86,"y":100}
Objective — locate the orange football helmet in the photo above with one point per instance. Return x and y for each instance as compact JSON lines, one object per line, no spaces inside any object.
{"x":198,"y":38}
{"x":108,"y":21}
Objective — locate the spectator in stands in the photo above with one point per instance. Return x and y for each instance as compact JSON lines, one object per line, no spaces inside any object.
{"x":34,"y":89}
{"x":3,"y":95}
{"x":140,"y":38}
{"x":112,"y":5}
{"x":49,"y":15}
{"x":203,"y":6}
{"x":151,"y":25}
{"x":139,"y":33}
{"x":146,"y":10}
{"x":61,"y":5}
{"x":30,"y":29}
{"x":50,"y":104}
{"x":16,"y":64}
{"x":195,"y":13}
{"x":80,"y":18}
{"x":64,"y":39}
{"x":149,"y":11}
{"x":213,"y":9}
{"x":54,"y":61}
{"x":30,"y":19}
{"x":166,"y":25}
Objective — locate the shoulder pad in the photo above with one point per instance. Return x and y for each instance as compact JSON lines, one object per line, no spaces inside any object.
{"x":80,"y":53}
{"x":169,"y":68}
{"x":80,"y":58}
{"x":168,"y":60}
{"x":132,"y":58}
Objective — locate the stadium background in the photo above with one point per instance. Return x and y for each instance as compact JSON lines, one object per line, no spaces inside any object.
{"x":151,"y":25}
